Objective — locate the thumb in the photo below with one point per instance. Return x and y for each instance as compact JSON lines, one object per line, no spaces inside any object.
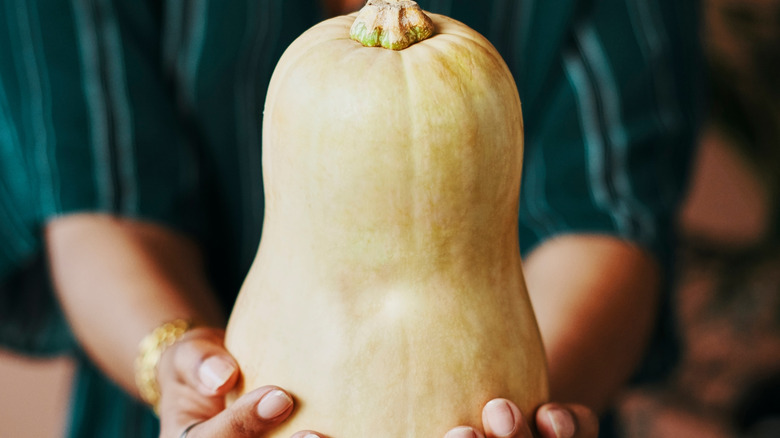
{"x":566,"y":421}
{"x":251,"y":415}
{"x":201,"y":361}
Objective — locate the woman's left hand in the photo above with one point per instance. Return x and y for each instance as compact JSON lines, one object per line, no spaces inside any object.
{"x":502,"y":419}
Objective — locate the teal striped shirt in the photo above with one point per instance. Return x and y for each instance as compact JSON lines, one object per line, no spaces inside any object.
{"x":150,"y":109}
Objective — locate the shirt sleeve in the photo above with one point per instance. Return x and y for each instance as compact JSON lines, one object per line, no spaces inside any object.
{"x":88,"y":123}
{"x":610,"y":99}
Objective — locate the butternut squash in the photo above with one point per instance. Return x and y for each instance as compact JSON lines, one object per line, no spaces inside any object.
{"x":387,"y":294}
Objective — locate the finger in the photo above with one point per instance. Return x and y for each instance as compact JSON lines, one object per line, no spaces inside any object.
{"x":464,"y":432}
{"x":252,"y":415}
{"x":566,"y":421}
{"x":501,"y":418}
{"x":203,"y":363}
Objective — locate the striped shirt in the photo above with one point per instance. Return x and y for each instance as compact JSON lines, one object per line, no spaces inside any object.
{"x":150,"y":109}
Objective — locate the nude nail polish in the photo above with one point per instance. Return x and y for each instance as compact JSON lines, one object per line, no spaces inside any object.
{"x":273,"y":404}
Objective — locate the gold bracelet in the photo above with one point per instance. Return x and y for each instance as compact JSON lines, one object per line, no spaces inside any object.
{"x":151,"y":349}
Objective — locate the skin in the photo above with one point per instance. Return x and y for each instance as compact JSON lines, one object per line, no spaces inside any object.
{"x":339,"y":7}
{"x":611,"y":287}
{"x":111,"y":272}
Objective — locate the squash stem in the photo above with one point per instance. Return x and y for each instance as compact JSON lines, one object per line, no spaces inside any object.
{"x":392,"y":24}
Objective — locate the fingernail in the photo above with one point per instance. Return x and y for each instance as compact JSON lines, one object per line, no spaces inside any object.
{"x":461,"y":432}
{"x":311,"y":435}
{"x":500,"y":418}
{"x":215,"y":372}
{"x":273,"y":404}
{"x":562,"y":423}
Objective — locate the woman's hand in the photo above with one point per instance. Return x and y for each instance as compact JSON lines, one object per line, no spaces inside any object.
{"x":502,"y":419}
{"x":195,"y":374}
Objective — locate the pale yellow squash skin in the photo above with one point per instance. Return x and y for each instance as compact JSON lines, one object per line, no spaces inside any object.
{"x":387,"y":294}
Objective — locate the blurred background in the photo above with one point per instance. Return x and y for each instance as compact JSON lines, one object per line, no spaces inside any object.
{"x":727,"y":281}
{"x":727,"y":284}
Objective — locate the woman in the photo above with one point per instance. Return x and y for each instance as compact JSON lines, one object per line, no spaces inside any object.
{"x":131,"y":192}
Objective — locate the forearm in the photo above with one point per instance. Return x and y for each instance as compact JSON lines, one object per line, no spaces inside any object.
{"x":596,"y":299}
{"x":117,"y":280}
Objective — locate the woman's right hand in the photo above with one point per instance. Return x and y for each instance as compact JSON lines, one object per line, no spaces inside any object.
{"x":195,"y":374}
